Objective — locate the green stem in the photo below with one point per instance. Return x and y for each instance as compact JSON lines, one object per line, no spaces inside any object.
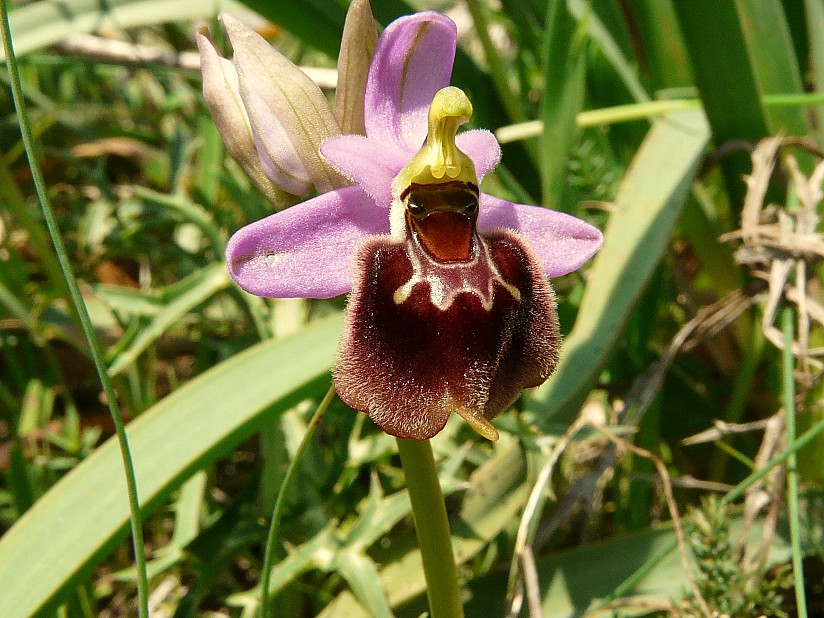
{"x":792,"y":470}
{"x":642,"y":111}
{"x":82,"y":314}
{"x":277,"y":513}
{"x":432,"y":528}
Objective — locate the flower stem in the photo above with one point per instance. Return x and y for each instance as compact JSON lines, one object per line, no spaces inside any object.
{"x":432,"y":528}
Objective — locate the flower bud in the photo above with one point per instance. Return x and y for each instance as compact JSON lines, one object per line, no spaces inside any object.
{"x":222,"y":94}
{"x":289,"y":115}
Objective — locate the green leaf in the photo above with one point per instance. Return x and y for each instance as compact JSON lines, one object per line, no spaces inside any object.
{"x":188,"y":509}
{"x":646,"y":209}
{"x":210,"y":159}
{"x":318,"y":23}
{"x":814,"y":12}
{"x":773,"y":60}
{"x":85,"y":515}
{"x":723,"y":73}
{"x":360,"y":573}
{"x":664,"y":52}
{"x":308,"y":556}
{"x":722,"y":70}
{"x":609,"y":47}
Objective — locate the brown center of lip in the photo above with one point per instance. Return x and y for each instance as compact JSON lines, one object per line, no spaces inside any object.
{"x":443,"y":217}
{"x":446,"y":236}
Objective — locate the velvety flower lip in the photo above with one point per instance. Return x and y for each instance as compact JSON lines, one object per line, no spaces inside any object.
{"x":307,"y":251}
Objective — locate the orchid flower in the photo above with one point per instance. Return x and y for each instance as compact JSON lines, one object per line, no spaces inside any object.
{"x":450,"y":307}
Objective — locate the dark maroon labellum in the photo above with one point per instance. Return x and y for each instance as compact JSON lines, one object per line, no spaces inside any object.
{"x":437,"y":325}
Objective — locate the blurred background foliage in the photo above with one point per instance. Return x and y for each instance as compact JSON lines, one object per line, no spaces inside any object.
{"x":642,"y":117}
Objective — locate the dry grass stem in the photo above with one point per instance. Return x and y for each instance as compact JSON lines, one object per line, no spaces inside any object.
{"x":532,"y":512}
{"x":766,"y":494}
{"x":722,"y":429}
{"x":102,"y":49}
{"x":776,"y":241}
{"x":663,"y":474}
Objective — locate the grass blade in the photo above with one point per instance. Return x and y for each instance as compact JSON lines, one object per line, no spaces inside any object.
{"x":498,"y":72}
{"x":788,"y":363}
{"x":318,"y":23}
{"x":773,"y":61}
{"x":194,"y":290}
{"x":605,"y":39}
{"x":814,"y":12}
{"x":565,"y":54}
{"x":665,"y":57}
{"x":724,"y":76}
{"x":646,"y":209}
{"x":360,"y":573}
{"x":277,"y":512}
{"x":122,"y":441}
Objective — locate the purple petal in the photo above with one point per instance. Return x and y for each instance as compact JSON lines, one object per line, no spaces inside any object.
{"x":305,"y":251}
{"x":482,"y":147}
{"x":366,"y":162}
{"x":412,"y":61}
{"x":562,"y":242}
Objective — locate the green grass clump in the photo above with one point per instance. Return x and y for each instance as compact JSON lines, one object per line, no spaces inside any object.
{"x":730,"y":584}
